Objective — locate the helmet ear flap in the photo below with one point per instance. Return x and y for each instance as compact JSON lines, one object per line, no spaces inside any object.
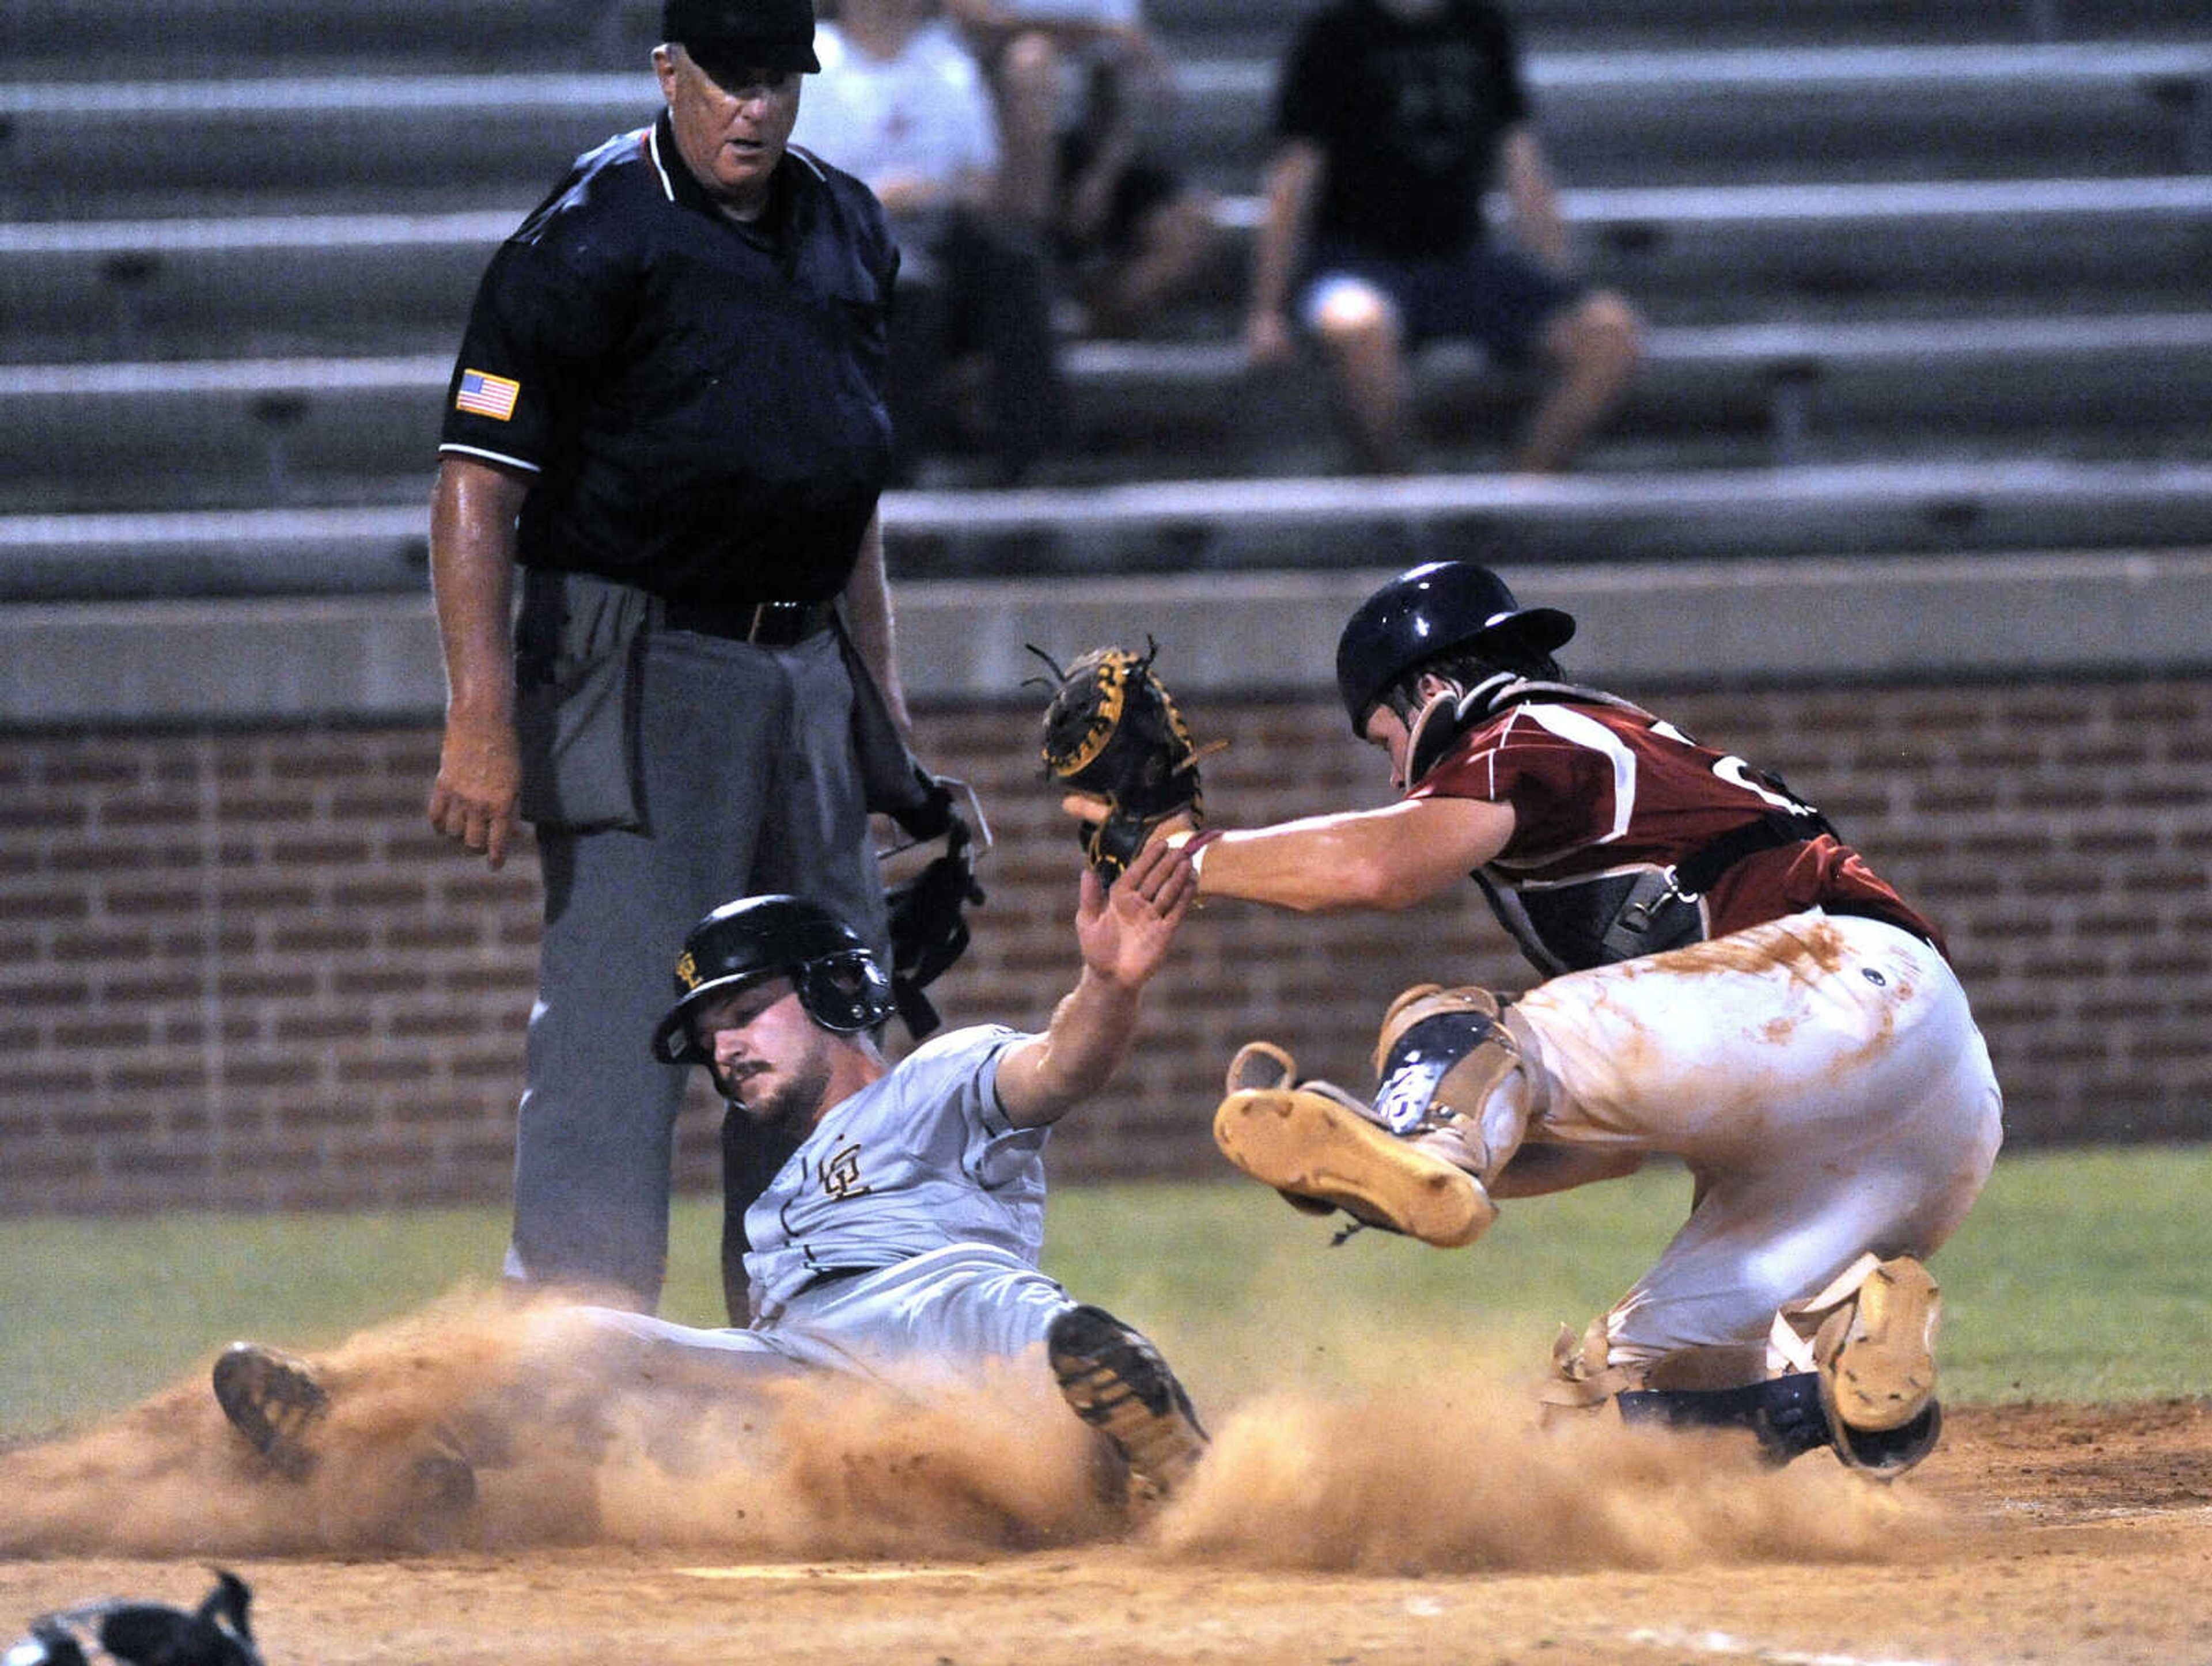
{"x":846,"y":992}
{"x":1433,"y":728}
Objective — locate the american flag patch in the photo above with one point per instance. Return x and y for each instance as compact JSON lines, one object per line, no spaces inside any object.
{"x":486,"y":394}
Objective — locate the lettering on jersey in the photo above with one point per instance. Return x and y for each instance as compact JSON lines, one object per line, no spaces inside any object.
{"x":841,"y":1172}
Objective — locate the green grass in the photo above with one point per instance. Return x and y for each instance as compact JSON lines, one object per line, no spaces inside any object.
{"x":2078,"y":1278}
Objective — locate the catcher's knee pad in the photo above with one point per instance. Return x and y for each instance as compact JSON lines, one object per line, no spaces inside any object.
{"x":1445,"y":1064}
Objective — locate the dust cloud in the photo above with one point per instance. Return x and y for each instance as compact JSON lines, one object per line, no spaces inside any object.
{"x":575,"y":1440}
{"x":1461,"y":1476}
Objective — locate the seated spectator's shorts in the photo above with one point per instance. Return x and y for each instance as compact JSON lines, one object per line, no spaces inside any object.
{"x":1497,"y":297}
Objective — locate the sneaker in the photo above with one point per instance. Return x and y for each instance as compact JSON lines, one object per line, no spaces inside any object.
{"x":1309,"y":1144}
{"x":1877,"y":1354}
{"x":1117,"y":1381}
{"x":273,"y":1400}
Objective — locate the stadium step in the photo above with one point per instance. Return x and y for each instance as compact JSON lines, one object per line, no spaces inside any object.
{"x":1616,"y":117}
{"x":305,"y":283}
{"x":1992,"y":505}
{"x":275,"y":431}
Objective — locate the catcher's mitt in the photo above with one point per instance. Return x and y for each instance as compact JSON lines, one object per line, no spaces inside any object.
{"x":1112,"y":730}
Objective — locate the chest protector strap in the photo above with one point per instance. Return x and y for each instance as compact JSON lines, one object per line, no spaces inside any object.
{"x":1660,"y":909}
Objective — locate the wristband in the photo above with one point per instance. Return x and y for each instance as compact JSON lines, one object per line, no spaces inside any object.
{"x":1193,"y":845}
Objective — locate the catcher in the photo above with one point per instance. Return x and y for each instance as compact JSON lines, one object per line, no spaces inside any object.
{"x":1725,"y":981}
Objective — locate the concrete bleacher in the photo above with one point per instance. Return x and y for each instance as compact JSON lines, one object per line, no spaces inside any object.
{"x":184,"y":434}
{"x":337,"y":284}
{"x":350,"y":140}
{"x":1918,"y":278}
{"x":1895,"y":508}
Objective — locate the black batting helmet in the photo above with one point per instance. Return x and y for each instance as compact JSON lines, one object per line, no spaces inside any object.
{"x":840,"y":982}
{"x":1430,"y":610}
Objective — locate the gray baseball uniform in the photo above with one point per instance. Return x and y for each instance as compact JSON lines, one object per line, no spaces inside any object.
{"x":904,"y":1230}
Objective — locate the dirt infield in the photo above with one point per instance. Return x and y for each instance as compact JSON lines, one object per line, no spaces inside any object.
{"x":2043,"y":1534}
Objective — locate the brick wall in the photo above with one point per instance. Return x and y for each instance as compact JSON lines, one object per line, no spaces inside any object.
{"x":237,"y":969}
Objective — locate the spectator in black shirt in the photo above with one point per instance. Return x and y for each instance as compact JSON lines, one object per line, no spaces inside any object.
{"x":1396,"y":118}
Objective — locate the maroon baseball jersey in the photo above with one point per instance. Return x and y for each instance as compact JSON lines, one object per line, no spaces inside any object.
{"x":1609,"y":802}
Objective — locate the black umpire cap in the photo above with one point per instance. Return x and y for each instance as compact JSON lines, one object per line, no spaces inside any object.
{"x":730,"y":36}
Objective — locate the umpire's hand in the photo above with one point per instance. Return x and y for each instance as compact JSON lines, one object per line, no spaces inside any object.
{"x":478,"y":794}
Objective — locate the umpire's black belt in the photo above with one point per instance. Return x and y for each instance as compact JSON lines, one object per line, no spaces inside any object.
{"x":765,"y":624}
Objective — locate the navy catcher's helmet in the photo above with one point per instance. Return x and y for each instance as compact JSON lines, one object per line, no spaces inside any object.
{"x":839,"y":980}
{"x":1430,"y":610}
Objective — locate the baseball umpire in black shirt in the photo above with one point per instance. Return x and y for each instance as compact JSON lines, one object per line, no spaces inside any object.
{"x":667,"y":417}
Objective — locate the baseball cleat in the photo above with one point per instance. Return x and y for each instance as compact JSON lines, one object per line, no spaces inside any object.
{"x":1116,"y":1381}
{"x":435,"y":1493}
{"x":1307,"y":1145}
{"x":1261,"y":1064}
{"x":1877,"y":1354}
{"x":273,"y":1400}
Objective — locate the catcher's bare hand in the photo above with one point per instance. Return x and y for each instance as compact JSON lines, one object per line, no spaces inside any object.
{"x":1125,"y":932}
{"x":476,"y":799}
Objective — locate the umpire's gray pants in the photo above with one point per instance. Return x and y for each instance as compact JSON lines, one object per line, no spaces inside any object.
{"x":748,"y":784}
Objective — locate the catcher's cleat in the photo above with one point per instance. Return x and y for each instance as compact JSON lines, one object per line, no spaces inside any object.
{"x":1262,"y":1064}
{"x":1116,"y":1381}
{"x":273,"y":1400}
{"x":442,"y":1482}
{"x":1877,"y":1354}
{"x":1307,"y":1144}
{"x":1887,"y":1454}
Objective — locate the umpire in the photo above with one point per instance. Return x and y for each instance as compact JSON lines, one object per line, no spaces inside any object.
{"x":667,"y":415}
